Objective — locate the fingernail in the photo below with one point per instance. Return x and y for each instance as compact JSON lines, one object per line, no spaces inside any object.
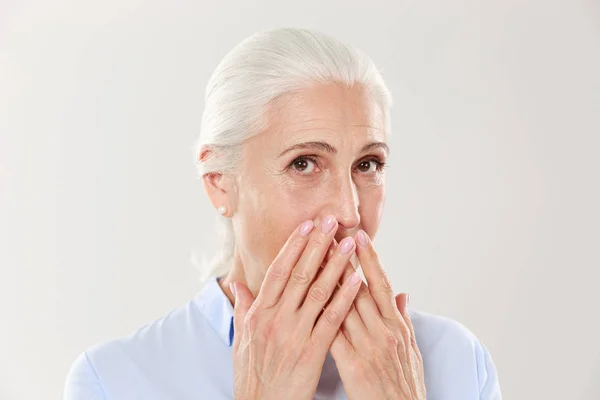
{"x":363,"y":239}
{"x":232,"y":288}
{"x":355,"y":278}
{"x":328,"y":224}
{"x":347,"y":244}
{"x":407,"y":298}
{"x":306,"y":227}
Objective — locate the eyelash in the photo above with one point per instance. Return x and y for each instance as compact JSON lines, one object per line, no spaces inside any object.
{"x":379,"y":164}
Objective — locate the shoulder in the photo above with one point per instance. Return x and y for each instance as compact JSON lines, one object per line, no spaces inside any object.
{"x":160,"y":334}
{"x":82,"y":381}
{"x":436,"y":330}
{"x":133,"y":359}
{"x":453,"y":355}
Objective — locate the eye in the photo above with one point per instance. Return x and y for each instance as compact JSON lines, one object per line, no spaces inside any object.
{"x":303,"y":165}
{"x":370,"y":166}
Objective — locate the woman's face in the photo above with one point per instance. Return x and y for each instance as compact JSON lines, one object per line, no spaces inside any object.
{"x":321,"y":155}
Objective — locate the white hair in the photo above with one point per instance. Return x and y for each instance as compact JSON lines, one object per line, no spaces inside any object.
{"x":257,"y":71}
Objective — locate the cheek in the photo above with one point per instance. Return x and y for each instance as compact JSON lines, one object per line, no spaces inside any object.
{"x":372,"y":201}
{"x":289,"y":206}
{"x":270,"y":215}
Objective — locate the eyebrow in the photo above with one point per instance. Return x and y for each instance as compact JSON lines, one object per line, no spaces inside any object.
{"x":375,"y":145}
{"x":324,"y":146}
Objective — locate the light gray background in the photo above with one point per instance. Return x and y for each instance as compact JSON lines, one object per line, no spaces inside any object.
{"x":492,"y":216}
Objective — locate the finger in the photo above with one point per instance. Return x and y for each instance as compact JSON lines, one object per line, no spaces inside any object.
{"x":241,"y":305}
{"x":354,"y":326}
{"x":307,"y":266}
{"x":402,"y":301}
{"x":365,"y":314}
{"x":334,"y":314}
{"x":279,"y":271}
{"x":328,"y":256}
{"x":324,"y":285}
{"x":378,"y":281}
{"x":341,"y":347}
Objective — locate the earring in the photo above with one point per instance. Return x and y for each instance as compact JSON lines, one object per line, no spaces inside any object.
{"x":222,"y":210}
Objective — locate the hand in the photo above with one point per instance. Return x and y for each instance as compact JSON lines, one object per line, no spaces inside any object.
{"x":282,"y":337}
{"x":375,"y":351}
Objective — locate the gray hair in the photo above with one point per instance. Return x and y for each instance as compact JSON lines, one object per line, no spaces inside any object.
{"x":254,"y":73}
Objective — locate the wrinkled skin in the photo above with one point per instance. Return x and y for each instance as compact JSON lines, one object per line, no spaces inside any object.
{"x":322,"y":155}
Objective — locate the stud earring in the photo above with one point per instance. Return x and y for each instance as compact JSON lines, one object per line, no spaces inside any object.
{"x":222,"y":210}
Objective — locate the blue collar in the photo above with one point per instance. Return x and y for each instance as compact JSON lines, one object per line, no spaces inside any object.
{"x":217,"y":309}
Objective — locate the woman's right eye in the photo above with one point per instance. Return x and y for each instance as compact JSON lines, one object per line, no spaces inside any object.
{"x":303,"y":165}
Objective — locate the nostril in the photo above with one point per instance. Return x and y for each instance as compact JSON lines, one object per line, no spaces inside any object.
{"x":349,"y":223}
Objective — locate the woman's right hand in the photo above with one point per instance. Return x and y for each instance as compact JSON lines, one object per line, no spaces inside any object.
{"x":282,"y":337}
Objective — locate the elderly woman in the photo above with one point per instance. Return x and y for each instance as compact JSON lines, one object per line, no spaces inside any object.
{"x":292,"y":153}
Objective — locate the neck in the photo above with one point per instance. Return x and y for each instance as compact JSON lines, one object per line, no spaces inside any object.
{"x":239,"y":274}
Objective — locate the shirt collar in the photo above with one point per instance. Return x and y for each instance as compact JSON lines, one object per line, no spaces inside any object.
{"x":217,"y":309}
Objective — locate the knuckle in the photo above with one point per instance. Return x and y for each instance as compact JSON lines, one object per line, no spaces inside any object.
{"x":300,"y":278}
{"x":316,"y":240}
{"x":386,"y":284}
{"x":384,"y":292}
{"x":318,"y":294}
{"x":296,"y":246}
{"x":362,"y":292}
{"x":332,"y":317}
{"x":393,"y":317}
{"x":374,"y":257}
{"x":276,"y":271}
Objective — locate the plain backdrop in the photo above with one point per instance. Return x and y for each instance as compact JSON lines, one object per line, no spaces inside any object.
{"x":492,"y":216}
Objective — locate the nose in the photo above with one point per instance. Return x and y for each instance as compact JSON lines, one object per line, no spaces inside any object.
{"x":344,"y":203}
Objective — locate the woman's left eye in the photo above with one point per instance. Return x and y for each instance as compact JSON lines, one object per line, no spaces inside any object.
{"x":369,"y":166}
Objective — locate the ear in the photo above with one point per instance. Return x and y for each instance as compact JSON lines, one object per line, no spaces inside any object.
{"x":218,"y":187}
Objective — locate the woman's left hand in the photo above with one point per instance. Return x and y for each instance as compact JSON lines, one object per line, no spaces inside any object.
{"x":375,"y":350}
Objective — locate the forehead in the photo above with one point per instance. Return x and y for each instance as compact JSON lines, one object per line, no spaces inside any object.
{"x":333,"y":111}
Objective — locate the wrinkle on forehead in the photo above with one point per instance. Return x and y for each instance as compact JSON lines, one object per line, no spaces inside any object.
{"x":325,"y":110}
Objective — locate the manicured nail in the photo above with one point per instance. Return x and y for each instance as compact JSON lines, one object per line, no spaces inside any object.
{"x":363,"y":239}
{"x":232,"y":288}
{"x":306,"y":228}
{"x":355,"y":278}
{"x":347,"y":244}
{"x":328,"y":224}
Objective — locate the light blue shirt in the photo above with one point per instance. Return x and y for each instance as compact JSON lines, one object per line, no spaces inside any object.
{"x":187,"y":355}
